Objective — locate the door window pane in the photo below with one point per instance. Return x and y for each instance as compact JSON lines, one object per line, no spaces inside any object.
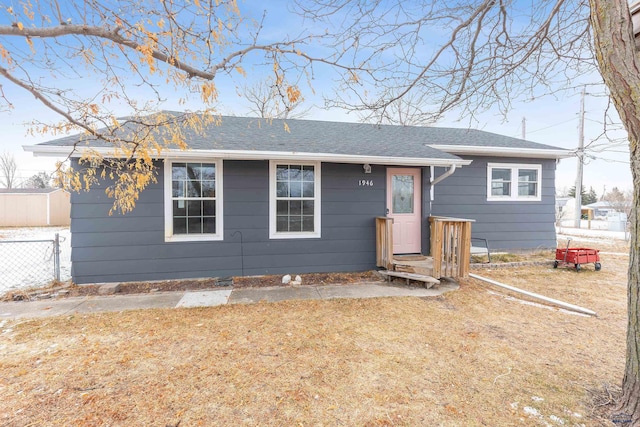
{"x":402,"y":194}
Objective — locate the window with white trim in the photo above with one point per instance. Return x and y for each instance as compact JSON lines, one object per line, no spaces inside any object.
{"x":294,"y":200}
{"x":506,"y":181}
{"x":193,"y":200}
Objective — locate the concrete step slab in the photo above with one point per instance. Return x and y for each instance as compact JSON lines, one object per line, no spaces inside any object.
{"x":128,"y":302}
{"x":272,"y":294}
{"x":204,"y":298}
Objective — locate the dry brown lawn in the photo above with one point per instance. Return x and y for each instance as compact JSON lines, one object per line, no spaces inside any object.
{"x":477,"y":356}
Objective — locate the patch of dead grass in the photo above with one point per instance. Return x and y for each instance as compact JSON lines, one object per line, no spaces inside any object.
{"x":470,"y":357}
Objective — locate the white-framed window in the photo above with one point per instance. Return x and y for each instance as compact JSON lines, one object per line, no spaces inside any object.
{"x":507,"y":181}
{"x":193,"y":200}
{"x":294,"y":199}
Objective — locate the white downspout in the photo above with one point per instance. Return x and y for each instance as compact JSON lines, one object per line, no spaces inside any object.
{"x":447,"y":174}
{"x":433,"y":181}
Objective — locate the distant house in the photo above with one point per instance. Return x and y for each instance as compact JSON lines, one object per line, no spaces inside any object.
{"x":565,"y":211}
{"x":253,"y":198}
{"x":27,"y":207}
{"x":601,"y":209}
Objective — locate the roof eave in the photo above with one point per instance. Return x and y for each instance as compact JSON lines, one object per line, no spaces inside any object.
{"x":60,"y":151}
{"x":538,"y":153}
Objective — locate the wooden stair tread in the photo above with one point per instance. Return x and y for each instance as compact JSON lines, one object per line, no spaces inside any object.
{"x":400,"y":258}
{"x":411,"y":276}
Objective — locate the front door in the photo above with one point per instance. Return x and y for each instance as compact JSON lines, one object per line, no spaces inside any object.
{"x":403,"y":205}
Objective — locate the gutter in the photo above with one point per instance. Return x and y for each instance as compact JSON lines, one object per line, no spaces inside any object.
{"x":545,"y":153}
{"x":64,"y":151}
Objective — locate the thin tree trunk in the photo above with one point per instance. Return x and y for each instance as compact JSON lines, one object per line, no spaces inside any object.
{"x":619,"y":66}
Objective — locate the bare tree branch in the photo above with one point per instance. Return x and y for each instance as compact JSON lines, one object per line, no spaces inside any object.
{"x":8,"y":168}
{"x":462,"y":57}
{"x":108,"y":34}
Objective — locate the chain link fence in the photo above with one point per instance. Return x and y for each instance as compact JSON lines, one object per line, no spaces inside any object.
{"x":29,"y":263}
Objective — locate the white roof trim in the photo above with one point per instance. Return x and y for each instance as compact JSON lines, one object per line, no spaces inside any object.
{"x":59,"y":151}
{"x":504,"y":151}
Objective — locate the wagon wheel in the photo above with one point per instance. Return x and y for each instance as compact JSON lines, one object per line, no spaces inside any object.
{"x":555,"y":264}
{"x":598,"y":266}
{"x":578,"y":267}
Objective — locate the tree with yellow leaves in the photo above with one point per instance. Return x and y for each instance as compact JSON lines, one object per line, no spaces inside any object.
{"x":90,"y":61}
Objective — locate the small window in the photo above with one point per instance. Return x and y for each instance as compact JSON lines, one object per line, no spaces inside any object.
{"x":513,"y":182}
{"x":294,"y":200}
{"x":193,"y":200}
{"x":501,"y":182}
{"x":527,"y":182}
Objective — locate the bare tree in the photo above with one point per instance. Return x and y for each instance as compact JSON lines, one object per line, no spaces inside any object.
{"x":40,"y":180}
{"x":461,"y":57}
{"x":267,"y":100}
{"x":404,"y":111}
{"x":8,"y":168}
{"x":619,"y":201}
{"x":466,"y":57}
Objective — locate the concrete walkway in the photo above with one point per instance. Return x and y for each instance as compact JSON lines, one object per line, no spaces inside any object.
{"x":95,"y":304}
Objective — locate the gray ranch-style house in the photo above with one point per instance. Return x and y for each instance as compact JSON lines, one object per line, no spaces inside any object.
{"x":251,"y":198}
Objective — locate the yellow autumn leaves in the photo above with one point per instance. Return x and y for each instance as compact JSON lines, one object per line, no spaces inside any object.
{"x":129,"y":165}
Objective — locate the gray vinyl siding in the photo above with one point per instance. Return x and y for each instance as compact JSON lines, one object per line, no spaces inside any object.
{"x":512,"y":225}
{"x":112,"y":248}
{"x":131,"y":247}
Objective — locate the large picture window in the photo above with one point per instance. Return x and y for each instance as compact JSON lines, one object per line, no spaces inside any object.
{"x":513,"y":182}
{"x":193,"y":200}
{"x":294,"y":200}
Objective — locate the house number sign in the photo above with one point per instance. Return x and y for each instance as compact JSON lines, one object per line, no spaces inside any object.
{"x":365,"y":183}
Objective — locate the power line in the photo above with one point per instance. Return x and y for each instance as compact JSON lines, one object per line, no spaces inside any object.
{"x":551,"y":126}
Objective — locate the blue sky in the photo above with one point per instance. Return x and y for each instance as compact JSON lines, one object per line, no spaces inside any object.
{"x":548,"y":120}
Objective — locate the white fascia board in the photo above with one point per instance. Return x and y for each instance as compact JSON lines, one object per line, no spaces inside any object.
{"x":58,"y":151}
{"x":505,"y":151}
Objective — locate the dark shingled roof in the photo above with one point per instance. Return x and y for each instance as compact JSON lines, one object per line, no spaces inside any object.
{"x":310,"y":136}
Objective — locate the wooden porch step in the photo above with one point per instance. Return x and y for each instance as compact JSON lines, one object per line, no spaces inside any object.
{"x":423,"y":270}
{"x":428,"y":280}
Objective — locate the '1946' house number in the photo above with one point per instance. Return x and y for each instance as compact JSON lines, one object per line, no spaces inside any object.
{"x":365,"y":183}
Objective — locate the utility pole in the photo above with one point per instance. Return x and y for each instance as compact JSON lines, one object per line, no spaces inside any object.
{"x":524,"y":128}
{"x":580,"y":155}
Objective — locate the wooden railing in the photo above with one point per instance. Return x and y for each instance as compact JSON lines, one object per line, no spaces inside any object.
{"x":384,"y":242}
{"x":450,"y":246}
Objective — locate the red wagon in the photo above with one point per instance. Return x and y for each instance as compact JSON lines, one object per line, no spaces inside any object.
{"x":577,"y":256}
